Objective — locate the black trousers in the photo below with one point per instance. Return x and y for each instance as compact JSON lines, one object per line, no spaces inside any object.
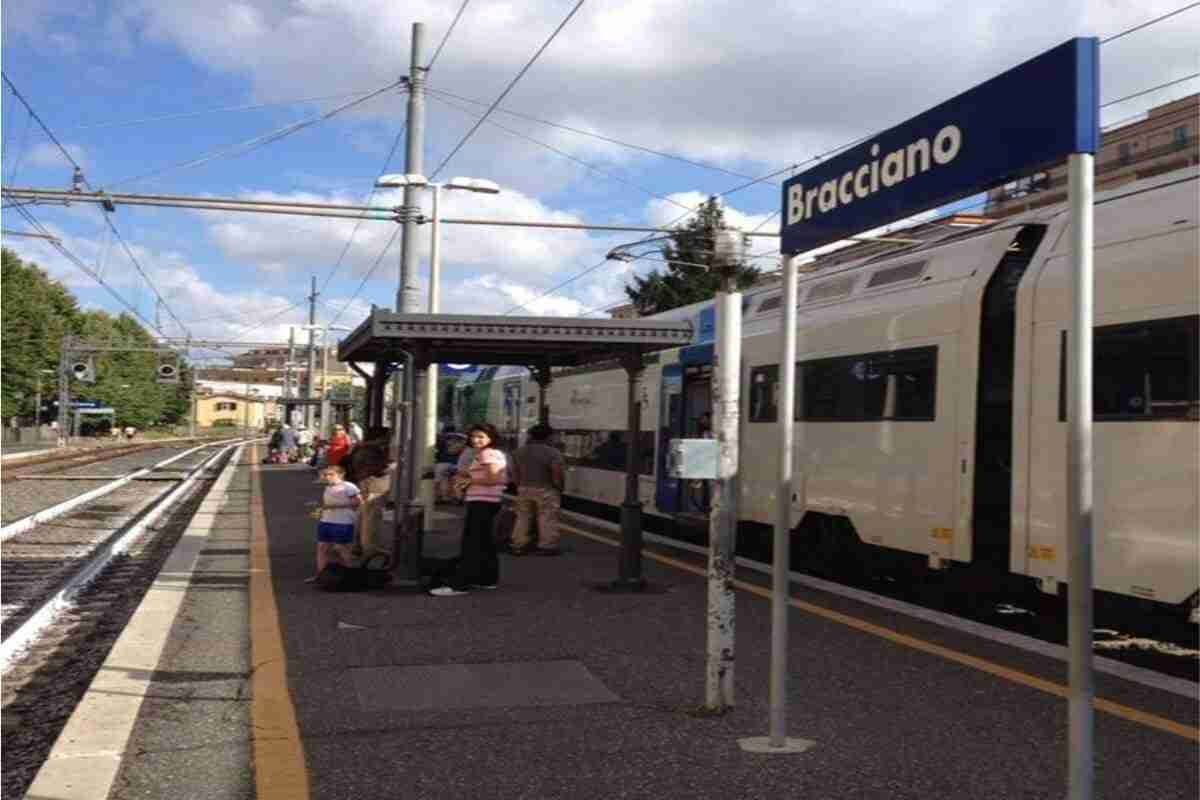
{"x":479,"y":564}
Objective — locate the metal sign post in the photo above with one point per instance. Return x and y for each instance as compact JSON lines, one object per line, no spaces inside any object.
{"x":1081,"y":177}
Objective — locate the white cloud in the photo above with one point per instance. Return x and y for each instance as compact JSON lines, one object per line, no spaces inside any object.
{"x":47,"y":154}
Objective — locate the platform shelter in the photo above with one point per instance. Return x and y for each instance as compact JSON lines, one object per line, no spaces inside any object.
{"x":390,"y":340}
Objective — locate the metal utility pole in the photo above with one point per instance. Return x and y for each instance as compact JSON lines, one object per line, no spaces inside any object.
{"x":404,"y":391}
{"x":312,"y":354}
{"x":414,"y":164}
{"x":722,"y":526}
{"x":287,"y":376}
{"x":1080,"y":612}
{"x":430,"y":398}
{"x":64,"y":390}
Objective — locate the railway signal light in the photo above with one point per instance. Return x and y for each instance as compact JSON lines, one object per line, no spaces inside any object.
{"x":84,"y":371}
{"x":167,"y":373}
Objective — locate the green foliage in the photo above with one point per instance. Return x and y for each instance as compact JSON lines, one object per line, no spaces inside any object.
{"x":38,"y":312}
{"x":683,"y":283}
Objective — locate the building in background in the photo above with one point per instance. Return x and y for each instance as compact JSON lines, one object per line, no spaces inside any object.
{"x":235,"y":410}
{"x":1164,"y":141}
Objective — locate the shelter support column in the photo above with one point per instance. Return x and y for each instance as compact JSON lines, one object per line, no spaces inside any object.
{"x":541,"y":374}
{"x":631,"y":508}
{"x":375,"y":392}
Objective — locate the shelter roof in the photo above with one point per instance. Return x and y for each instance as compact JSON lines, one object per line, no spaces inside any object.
{"x":526,"y":341}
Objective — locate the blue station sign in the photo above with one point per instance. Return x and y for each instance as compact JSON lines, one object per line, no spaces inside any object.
{"x":1033,"y":114}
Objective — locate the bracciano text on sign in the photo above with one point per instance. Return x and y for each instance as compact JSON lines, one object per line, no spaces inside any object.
{"x":868,"y":178}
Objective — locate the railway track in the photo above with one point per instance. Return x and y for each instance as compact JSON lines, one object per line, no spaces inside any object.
{"x":70,"y":585}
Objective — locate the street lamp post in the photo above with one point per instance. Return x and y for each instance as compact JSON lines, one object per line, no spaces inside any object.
{"x":429,"y":398}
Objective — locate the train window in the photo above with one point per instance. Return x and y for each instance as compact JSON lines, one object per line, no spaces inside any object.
{"x":892,"y":385}
{"x":903,"y":272}
{"x":1142,"y":371}
{"x":606,"y":449}
{"x":764,"y":394}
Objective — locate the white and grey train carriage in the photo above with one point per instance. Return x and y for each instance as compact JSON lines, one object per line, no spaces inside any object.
{"x":931,"y":404}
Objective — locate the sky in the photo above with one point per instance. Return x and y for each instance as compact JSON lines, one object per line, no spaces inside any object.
{"x":153,"y":97}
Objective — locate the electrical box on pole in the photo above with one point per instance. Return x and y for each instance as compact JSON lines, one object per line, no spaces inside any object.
{"x":84,"y":371}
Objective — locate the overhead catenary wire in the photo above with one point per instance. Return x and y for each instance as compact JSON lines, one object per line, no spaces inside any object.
{"x":599,"y":170}
{"x":507,"y":89}
{"x":249,"y":145}
{"x":366,"y":277}
{"x":222,"y":110}
{"x":1148,"y":23}
{"x":449,"y":31}
{"x":66,"y":253}
{"x":112,"y":227}
{"x":358,"y":223}
{"x":1151,"y":89}
{"x":591,"y":134}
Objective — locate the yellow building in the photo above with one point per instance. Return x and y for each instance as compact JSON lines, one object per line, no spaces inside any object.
{"x":235,"y":410}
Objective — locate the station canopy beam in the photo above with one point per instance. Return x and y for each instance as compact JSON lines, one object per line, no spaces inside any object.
{"x":519,"y":341}
{"x":540,"y":343}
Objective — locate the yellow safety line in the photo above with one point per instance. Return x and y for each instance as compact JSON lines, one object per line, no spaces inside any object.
{"x":1016,"y":676}
{"x":279,"y":767}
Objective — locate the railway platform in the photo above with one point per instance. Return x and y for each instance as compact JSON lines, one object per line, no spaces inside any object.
{"x":259,"y":685}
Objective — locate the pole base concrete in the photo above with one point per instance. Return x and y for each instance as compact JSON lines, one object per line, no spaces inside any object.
{"x":762,"y":744}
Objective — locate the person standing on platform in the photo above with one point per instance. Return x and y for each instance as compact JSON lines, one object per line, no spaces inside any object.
{"x":479,"y":565}
{"x":369,"y":468}
{"x":538,"y":471}
{"x":335,"y":531}
{"x":287,"y":444}
{"x":338,"y":447}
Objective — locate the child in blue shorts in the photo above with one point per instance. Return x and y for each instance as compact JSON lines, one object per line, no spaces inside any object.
{"x":335,"y":531}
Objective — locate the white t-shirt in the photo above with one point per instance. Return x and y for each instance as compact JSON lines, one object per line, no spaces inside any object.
{"x":336,"y":495}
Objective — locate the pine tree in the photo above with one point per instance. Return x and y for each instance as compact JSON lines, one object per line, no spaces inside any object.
{"x":683,"y":282}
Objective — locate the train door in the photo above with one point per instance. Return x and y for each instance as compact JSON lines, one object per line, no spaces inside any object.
{"x":696,"y":496}
{"x":992,"y":494}
{"x":670,"y":426}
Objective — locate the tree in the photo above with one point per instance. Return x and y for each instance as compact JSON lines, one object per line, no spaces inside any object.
{"x":682,"y":282}
{"x":36,"y":313}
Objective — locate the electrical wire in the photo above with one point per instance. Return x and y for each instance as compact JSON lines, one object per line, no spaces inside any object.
{"x":1151,"y":89}
{"x":600,"y":170}
{"x":249,"y":145}
{"x":446,"y":38}
{"x":590,"y":134}
{"x":358,"y":222}
{"x":507,"y":89}
{"x":369,"y":273}
{"x":223,"y":110}
{"x":66,"y":253}
{"x":107,"y":220}
{"x":1148,"y":23}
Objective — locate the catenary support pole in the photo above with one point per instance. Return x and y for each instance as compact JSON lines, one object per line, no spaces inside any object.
{"x":406,"y":292}
{"x":1081,"y":177}
{"x":406,"y":303}
{"x":722,"y":537}
{"x":312,"y":355}
{"x":64,"y":390}
{"x":429,"y":401}
{"x":288,"y":380}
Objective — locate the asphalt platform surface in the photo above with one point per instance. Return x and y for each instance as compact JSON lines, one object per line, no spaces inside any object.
{"x":547,"y":688}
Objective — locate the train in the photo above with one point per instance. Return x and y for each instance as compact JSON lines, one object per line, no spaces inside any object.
{"x":931,"y":406}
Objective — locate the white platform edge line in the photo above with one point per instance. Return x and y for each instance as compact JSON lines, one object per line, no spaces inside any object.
{"x":86,"y":757}
{"x":1118,"y":669}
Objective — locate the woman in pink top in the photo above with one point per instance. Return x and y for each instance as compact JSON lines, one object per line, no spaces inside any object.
{"x":479,"y":565}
